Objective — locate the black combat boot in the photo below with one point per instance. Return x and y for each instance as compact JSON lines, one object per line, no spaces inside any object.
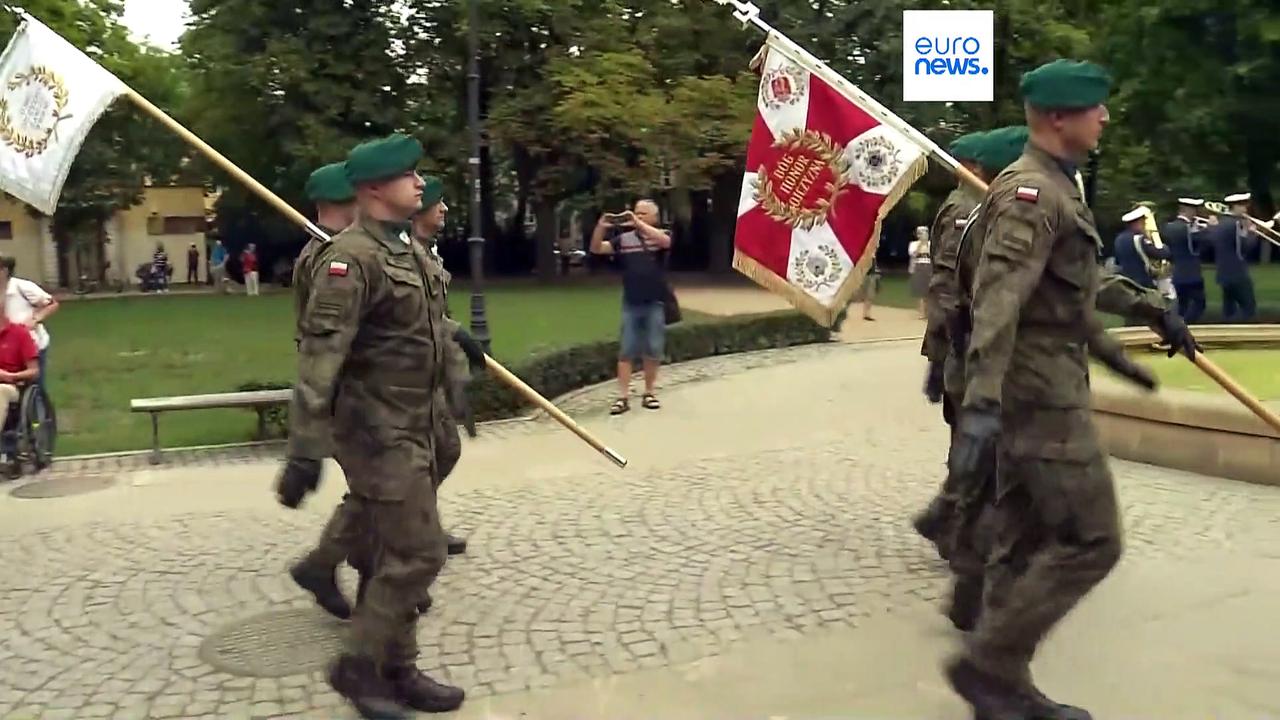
{"x":457,"y":545}
{"x":1045,"y":709}
{"x":990,"y":697}
{"x":415,"y":689}
{"x":424,"y":606}
{"x":934,"y":525}
{"x":322,"y":584}
{"x":373,"y":696}
{"x":966,"y":602}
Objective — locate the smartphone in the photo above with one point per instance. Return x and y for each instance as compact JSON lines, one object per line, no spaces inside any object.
{"x":615,"y":218}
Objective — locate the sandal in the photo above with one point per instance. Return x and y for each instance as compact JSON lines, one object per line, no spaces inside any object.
{"x":650,"y":402}
{"x":620,"y":406}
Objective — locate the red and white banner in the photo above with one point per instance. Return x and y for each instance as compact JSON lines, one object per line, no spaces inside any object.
{"x":822,"y":172}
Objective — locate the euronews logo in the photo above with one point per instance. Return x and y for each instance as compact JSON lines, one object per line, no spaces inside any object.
{"x":947,"y":55}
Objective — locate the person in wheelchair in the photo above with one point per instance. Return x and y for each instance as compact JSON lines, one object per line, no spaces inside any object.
{"x":19,"y":366}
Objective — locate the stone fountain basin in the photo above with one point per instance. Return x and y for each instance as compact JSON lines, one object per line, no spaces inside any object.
{"x":1205,"y":432}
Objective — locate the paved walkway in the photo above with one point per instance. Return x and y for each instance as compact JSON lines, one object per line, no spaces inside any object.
{"x":755,"y":560}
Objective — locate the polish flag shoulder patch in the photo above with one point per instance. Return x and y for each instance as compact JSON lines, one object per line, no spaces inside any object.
{"x":337,"y":269}
{"x":1028,"y":194}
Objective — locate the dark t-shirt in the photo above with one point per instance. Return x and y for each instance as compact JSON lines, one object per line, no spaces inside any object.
{"x":644,"y":280}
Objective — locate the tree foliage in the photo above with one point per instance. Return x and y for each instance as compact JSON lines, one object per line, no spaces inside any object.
{"x":124,"y":149}
{"x":589,"y":104}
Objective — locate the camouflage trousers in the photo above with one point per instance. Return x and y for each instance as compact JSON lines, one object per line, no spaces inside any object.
{"x":961,"y":503}
{"x":1055,"y":533}
{"x":340,"y":535}
{"x":403,"y":548}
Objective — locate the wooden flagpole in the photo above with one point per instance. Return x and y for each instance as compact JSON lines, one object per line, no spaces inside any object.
{"x":748,"y":13}
{"x":292,"y":213}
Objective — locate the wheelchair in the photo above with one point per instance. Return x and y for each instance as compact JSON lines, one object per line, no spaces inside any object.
{"x":30,"y":429}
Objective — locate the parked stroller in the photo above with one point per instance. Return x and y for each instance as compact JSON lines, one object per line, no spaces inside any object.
{"x":150,"y":279}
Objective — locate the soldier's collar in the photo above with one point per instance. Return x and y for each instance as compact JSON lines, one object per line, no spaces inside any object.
{"x":1068,"y":167}
{"x":386,"y":232}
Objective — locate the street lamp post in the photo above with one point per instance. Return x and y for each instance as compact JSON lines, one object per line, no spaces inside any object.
{"x":479,"y":325}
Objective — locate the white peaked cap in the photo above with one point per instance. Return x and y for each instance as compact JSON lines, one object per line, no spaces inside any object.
{"x":1194,"y":202}
{"x":1137,"y":213}
{"x":1238,"y":197}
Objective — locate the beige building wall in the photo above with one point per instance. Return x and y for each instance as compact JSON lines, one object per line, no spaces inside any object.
{"x":173,"y":216}
{"x":21,"y":235}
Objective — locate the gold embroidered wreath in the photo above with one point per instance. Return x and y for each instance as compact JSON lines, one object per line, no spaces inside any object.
{"x":827,"y":151}
{"x":32,"y":145}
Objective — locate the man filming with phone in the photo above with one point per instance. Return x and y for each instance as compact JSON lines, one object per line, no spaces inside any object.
{"x":644,"y":289}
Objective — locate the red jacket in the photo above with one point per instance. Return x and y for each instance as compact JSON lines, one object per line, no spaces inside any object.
{"x":16,"y":347}
{"x":248,"y":261}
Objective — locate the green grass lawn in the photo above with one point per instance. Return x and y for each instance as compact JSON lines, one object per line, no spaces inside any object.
{"x":106,"y":352}
{"x":1258,"y":370}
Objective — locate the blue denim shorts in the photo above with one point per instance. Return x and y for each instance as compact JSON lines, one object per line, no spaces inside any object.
{"x":644,"y":331}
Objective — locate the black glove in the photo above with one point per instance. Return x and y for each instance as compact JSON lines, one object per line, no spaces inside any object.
{"x":1125,"y":367}
{"x":974,"y":445}
{"x":1173,"y":330}
{"x":299,"y":477}
{"x":472,"y":349}
{"x":934,"y":385}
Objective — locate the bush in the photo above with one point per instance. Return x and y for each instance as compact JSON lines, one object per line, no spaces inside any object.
{"x":275,"y":419}
{"x":564,"y":371}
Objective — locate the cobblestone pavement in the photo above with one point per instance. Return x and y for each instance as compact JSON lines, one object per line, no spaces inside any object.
{"x":178,"y":607}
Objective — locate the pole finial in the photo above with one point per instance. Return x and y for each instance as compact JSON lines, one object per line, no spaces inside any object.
{"x":745,"y":12}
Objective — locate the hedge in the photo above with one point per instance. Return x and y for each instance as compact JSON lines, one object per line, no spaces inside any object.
{"x":563,"y":371}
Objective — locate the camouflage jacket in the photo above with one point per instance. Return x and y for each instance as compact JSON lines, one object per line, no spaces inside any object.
{"x":302,"y":279}
{"x":1029,"y":274}
{"x":942,"y":301}
{"x":457,"y":370}
{"x":370,"y":360}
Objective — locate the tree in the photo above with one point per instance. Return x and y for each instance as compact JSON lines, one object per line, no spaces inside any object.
{"x":123,"y":151}
{"x":283,"y":88}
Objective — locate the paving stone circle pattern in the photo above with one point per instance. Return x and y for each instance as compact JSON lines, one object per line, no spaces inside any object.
{"x":584,"y":575}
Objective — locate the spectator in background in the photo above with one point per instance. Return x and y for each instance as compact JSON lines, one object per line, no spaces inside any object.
{"x":218,"y":266}
{"x":644,"y":288}
{"x":160,"y":267}
{"x":920,"y":266}
{"x":193,"y":264}
{"x":19,"y":364}
{"x":869,"y":287}
{"x":27,"y":304}
{"x":249,"y":263}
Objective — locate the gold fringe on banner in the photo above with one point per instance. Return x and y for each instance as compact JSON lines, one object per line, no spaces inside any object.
{"x":825,"y":315}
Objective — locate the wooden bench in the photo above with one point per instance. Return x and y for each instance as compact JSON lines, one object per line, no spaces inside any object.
{"x":259,"y":400}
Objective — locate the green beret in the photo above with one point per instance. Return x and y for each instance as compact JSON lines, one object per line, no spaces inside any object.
{"x":432,"y":192}
{"x":1066,"y":85}
{"x":330,"y":184}
{"x":383,"y":158}
{"x":965,"y":147}
{"x":1001,"y":147}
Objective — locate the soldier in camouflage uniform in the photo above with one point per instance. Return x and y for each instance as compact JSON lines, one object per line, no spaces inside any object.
{"x":1033,"y":255}
{"x":458,"y":366}
{"x":335,"y":201}
{"x":370,"y":361}
{"x":952,"y":519}
{"x":939,"y":304}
